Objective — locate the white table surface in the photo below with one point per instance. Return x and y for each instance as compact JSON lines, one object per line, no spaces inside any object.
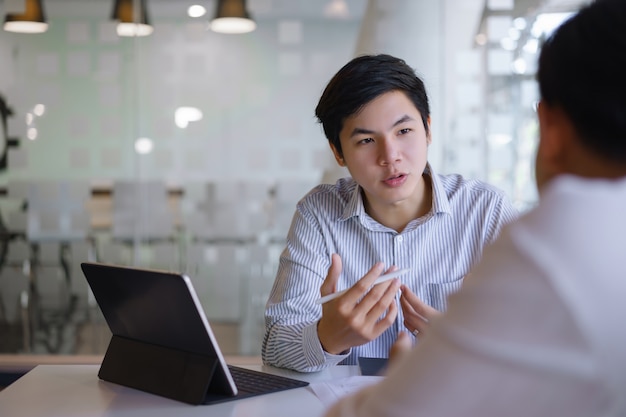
{"x":76,"y":390}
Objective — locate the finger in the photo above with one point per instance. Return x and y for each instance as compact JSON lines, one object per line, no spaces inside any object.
{"x":391,"y":269}
{"x":358,"y":290}
{"x":416,"y":327}
{"x":407,"y":308}
{"x":406,"y":305}
{"x":329,"y":285}
{"x":424,"y":311}
{"x":409,"y":301}
{"x":416,"y":314}
{"x":402,"y":345}
{"x":418,"y":306}
{"x":410,"y":296}
{"x":380,"y":298}
{"x":382,"y":324}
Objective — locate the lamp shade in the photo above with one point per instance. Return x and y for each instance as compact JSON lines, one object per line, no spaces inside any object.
{"x":132,"y":18}
{"x":231,"y":16}
{"x":33,"y":20}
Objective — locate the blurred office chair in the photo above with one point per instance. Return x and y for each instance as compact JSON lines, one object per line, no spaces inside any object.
{"x":141,"y":211}
{"x":142,"y":216}
{"x":216,"y":270}
{"x":57,"y":210}
{"x":56,"y":215}
{"x":230,"y":211}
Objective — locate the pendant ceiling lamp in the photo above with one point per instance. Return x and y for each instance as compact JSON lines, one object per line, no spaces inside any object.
{"x":132,"y":18}
{"x":231,"y":16}
{"x":33,"y":20}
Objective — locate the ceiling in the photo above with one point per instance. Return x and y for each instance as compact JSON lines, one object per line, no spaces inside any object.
{"x":276,"y":9}
{"x":177,"y":8}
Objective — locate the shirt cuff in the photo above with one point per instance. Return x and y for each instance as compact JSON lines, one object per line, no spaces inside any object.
{"x":317,"y":356}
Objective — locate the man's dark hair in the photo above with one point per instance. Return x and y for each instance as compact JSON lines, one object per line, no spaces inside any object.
{"x":359,"y":82}
{"x":582,"y":69}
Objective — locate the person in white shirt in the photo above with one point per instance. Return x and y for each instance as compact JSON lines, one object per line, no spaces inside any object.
{"x":538,"y":329}
{"x":394,"y":211}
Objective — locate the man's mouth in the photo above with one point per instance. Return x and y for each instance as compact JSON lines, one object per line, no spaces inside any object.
{"x":395,"y":180}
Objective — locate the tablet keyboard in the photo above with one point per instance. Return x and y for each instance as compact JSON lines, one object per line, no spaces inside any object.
{"x":249,"y":381}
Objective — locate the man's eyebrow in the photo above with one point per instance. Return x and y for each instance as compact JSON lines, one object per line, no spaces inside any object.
{"x":360,"y":131}
{"x":405,"y":118}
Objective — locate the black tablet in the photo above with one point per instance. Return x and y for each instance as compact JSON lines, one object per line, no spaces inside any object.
{"x":162,"y":341}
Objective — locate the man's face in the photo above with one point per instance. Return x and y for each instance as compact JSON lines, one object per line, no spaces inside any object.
{"x":385,"y":148}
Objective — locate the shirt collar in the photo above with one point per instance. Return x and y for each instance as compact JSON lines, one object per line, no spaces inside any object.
{"x":355,"y":206}
{"x":441,"y":203}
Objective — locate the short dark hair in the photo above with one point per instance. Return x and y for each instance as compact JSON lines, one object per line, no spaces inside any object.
{"x":582,"y":69}
{"x":360,"y":81}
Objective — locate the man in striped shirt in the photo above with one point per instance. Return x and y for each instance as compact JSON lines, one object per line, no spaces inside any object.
{"x":394,"y":212}
{"x":538,"y":330}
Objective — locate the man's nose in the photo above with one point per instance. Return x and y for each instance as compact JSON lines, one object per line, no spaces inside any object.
{"x":388,"y":152}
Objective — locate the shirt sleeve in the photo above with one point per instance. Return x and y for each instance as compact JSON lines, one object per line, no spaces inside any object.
{"x":291,"y":314}
{"x":508,"y":345}
{"x":502,"y":214}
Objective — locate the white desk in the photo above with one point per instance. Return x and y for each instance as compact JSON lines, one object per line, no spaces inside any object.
{"x":76,"y":391}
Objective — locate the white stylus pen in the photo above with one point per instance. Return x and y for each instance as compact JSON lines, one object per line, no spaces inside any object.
{"x":382,"y":278}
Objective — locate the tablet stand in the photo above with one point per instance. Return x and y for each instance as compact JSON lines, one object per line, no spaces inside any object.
{"x":167,"y":372}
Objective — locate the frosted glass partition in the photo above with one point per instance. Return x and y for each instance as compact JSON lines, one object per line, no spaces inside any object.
{"x":223,"y":126}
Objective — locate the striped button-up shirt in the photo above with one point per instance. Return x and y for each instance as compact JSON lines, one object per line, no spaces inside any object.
{"x":438,"y":248}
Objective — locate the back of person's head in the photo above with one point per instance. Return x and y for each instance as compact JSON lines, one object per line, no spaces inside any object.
{"x":582,"y":69}
{"x":362,"y":80}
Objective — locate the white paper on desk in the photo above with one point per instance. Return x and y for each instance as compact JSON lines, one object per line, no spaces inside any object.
{"x":329,"y":392}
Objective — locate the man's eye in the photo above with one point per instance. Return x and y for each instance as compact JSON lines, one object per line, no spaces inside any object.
{"x":366,"y":140}
{"x":404,"y":131}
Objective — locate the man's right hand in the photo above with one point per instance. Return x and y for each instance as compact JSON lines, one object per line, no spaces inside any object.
{"x":348,"y":322}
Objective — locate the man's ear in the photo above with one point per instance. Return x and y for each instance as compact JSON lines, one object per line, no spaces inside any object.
{"x":556,"y":150}
{"x":553,"y":142}
{"x":429,"y":136}
{"x":338,"y":156}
